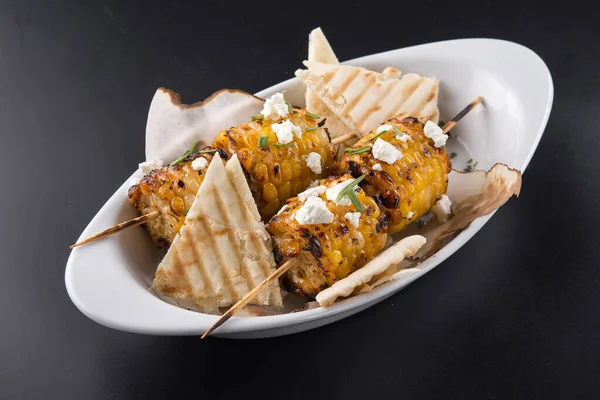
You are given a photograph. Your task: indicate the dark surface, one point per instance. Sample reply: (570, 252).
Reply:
(513, 314)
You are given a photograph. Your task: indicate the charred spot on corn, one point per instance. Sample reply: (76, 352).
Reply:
(222, 154)
(276, 169)
(314, 247)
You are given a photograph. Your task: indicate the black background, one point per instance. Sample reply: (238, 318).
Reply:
(513, 314)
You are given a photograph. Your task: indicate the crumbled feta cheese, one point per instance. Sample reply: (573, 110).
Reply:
(199, 163)
(148, 166)
(442, 208)
(134, 181)
(285, 130)
(434, 132)
(377, 167)
(384, 128)
(353, 218)
(315, 191)
(285, 207)
(333, 192)
(275, 107)
(314, 211)
(403, 137)
(314, 162)
(314, 183)
(386, 152)
(410, 215)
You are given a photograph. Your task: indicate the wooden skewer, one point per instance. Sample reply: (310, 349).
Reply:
(117, 228)
(449, 125)
(251, 295)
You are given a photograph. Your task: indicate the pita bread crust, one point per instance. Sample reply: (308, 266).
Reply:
(385, 261)
(362, 99)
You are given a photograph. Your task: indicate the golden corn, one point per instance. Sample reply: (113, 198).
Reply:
(276, 172)
(171, 191)
(406, 189)
(327, 252)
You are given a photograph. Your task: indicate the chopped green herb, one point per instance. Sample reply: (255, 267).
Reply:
(421, 223)
(183, 157)
(283, 145)
(470, 161)
(337, 152)
(314, 116)
(452, 155)
(348, 190)
(186, 212)
(262, 142)
(311, 128)
(441, 124)
(376, 136)
(207, 151)
(290, 108)
(360, 150)
(258, 117)
(474, 165)
(398, 131)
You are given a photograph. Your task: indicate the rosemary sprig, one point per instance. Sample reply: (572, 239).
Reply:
(183, 157)
(258, 117)
(314, 116)
(290, 108)
(379, 134)
(207, 151)
(337, 152)
(360, 150)
(262, 142)
(348, 190)
(311, 128)
(186, 212)
(452, 155)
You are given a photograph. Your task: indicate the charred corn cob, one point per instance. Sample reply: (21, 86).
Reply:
(278, 171)
(171, 191)
(327, 252)
(406, 189)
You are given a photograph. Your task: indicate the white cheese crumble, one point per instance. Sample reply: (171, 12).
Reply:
(442, 208)
(384, 128)
(285, 207)
(199, 163)
(314, 162)
(314, 211)
(333, 192)
(353, 218)
(314, 191)
(148, 166)
(134, 181)
(403, 137)
(275, 107)
(386, 152)
(314, 183)
(435, 133)
(285, 131)
(377, 167)
(410, 215)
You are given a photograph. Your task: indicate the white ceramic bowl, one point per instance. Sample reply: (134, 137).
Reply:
(108, 280)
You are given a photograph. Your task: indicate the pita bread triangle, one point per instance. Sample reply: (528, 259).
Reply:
(223, 250)
(364, 99)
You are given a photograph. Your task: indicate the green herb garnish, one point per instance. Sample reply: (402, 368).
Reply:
(258, 117)
(452, 155)
(283, 145)
(348, 190)
(337, 152)
(441, 124)
(262, 142)
(421, 223)
(183, 157)
(376, 136)
(311, 128)
(206, 151)
(360, 150)
(315, 116)
(290, 108)
(186, 212)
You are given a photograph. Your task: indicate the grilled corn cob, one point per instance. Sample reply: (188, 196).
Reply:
(406, 189)
(331, 251)
(274, 171)
(171, 191)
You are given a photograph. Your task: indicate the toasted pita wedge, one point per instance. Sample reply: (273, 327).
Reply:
(356, 282)
(364, 99)
(173, 126)
(223, 251)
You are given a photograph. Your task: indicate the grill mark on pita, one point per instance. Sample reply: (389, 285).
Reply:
(328, 76)
(208, 286)
(219, 256)
(375, 107)
(349, 80)
(355, 100)
(410, 93)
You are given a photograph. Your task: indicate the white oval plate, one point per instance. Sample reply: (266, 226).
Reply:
(108, 280)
